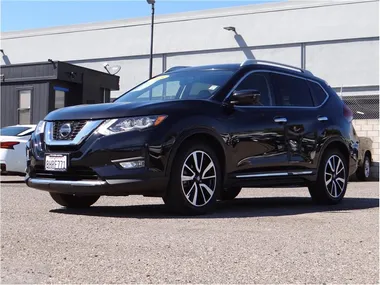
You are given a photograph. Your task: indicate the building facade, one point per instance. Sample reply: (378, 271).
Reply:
(336, 40)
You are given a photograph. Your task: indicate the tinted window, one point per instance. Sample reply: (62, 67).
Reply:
(291, 91)
(179, 85)
(319, 96)
(259, 82)
(12, 131)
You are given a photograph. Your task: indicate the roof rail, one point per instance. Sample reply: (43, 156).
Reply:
(174, 68)
(258, 61)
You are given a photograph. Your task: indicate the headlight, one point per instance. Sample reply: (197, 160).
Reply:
(115, 126)
(40, 129)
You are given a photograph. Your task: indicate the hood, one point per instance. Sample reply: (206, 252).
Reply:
(99, 111)
(123, 109)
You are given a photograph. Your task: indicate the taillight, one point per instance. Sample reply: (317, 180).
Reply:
(347, 113)
(8, 145)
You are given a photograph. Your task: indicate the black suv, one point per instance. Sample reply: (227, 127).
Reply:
(193, 135)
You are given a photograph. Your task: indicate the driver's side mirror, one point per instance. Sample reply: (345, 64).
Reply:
(245, 97)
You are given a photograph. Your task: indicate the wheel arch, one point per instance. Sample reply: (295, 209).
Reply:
(335, 143)
(203, 134)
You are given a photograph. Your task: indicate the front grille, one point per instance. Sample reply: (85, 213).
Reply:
(73, 173)
(76, 127)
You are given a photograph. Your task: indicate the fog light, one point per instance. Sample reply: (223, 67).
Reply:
(132, 164)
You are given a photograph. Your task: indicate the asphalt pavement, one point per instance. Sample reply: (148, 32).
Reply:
(264, 236)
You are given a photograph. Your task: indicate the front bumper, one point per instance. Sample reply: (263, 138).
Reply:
(120, 187)
(94, 166)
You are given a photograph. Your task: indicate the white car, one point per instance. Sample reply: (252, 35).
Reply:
(13, 141)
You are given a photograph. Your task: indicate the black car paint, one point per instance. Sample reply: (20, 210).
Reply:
(246, 137)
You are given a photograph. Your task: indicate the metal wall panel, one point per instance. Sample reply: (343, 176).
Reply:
(31, 72)
(9, 102)
(40, 102)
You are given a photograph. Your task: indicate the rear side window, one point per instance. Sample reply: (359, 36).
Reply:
(319, 96)
(291, 91)
(259, 82)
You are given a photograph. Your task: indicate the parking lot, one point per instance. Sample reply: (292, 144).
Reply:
(264, 236)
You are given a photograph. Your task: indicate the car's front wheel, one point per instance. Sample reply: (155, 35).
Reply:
(73, 201)
(195, 180)
(332, 178)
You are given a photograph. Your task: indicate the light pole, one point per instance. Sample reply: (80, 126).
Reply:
(151, 2)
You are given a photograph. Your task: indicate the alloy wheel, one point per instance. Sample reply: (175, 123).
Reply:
(335, 176)
(198, 178)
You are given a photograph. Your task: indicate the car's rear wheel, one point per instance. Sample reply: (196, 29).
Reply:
(363, 173)
(229, 193)
(332, 178)
(73, 201)
(195, 180)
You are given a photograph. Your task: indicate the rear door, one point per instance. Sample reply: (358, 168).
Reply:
(304, 120)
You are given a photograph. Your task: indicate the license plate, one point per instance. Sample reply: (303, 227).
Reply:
(56, 162)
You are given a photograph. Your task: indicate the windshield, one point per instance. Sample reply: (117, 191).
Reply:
(181, 85)
(13, 131)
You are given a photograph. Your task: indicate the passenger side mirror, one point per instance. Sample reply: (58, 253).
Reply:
(245, 97)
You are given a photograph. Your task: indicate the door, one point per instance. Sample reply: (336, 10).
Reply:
(258, 141)
(293, 95)
(24, 106)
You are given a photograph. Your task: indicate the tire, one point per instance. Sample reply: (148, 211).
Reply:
(229, 193)
(72, 201)
(364, 172)
(334, 165)
(194, 187)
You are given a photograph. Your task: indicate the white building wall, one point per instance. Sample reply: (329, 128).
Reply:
(340, 40)
(353, 63)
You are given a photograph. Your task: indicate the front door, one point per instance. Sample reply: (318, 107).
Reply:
(258, 136)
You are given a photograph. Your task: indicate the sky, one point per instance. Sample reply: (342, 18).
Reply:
(23, 15)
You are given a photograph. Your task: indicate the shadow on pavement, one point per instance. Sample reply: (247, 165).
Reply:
(12, 182)
(238, 208)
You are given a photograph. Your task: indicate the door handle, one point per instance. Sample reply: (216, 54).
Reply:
(323, 119)
(280, 120)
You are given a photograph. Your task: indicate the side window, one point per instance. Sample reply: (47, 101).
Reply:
(291, 91)
(259, 82)
(59, 101)
(24, 106)
(319, 96)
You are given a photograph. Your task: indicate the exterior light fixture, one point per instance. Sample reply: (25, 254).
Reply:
(232, 29)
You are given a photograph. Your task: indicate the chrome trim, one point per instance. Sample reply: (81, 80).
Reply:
(89, 127)
(280, 120)
(273, 107)
(323, 119)
(122, 181)
(302, 172)
(88, 183)
(258, 61)
(128, 159)
(262, 175)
